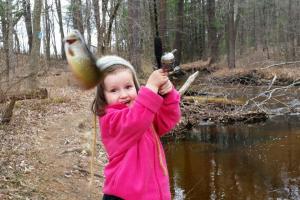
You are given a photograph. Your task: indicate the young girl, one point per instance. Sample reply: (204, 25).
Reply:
(131, 121)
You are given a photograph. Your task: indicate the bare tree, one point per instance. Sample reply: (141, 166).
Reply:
(202, 29)
(52, 31)
(163, 22)
(47, 31)
(61, 28)
(88, 21)
(7, 32)
(254, 42)
(27, 16)
(76, 7)
(134, 30)
(98, 25)
(113, 13)
(103, 25)
(179, 29)
(17, 42)
(298, 23)
(291, 32)
(31, 81)
(212, 30)
(231, 35)
(263, 15)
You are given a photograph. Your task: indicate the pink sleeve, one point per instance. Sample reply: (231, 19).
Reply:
(122, 128)
(169, 113)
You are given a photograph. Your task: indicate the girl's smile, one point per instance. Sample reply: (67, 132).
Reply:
(119, 87)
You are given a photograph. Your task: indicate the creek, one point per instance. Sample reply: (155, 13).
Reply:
(240, 161)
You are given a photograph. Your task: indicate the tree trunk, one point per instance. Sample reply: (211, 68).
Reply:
(179, 30)
(27, 16)
(77, 15)
(291, 33)
(254, 40)
(264, 27)
(193, 33)
(47, 32)
(52, 31)
(98, 25)
(212, 30)
(114, 11)
(202, 30)
(7, 31)
(298, 23)
(103, 25)
(231, 35)
(61, 28)
(242, 38)
(88, 22)
(31, 81)
(11, 60)
(134, 30)
(163, 22)
(151, 16)
(17, 42)
(237, 25)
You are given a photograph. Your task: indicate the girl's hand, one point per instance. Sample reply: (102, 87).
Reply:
(157, 79)
(165, 88)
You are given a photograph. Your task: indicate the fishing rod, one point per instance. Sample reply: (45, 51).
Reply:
(158, 50)
(165, 61)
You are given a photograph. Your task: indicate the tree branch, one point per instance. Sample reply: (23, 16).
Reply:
(278, 64)
(188, 82)
(269, 94)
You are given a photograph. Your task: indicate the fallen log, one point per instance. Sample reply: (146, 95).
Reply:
(187, 83)
(279, 64)
(217, 100)
(197, 65)
(7, 110)
(40, 93)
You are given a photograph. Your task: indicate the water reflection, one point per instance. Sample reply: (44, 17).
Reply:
(248, 162)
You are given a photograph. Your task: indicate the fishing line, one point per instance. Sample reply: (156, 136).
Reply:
(93, 150)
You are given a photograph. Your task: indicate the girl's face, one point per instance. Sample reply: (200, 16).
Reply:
(119, 87)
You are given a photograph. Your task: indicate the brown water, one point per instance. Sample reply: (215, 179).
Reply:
(259, 161)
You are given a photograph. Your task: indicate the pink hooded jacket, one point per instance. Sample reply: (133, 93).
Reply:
(137, 164)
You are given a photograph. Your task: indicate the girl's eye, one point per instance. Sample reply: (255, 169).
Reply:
(113, 90)
(129, 86)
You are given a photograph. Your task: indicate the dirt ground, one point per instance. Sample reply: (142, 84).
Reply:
(45, 150)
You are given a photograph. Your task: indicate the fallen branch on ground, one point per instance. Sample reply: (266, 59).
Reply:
(86, 171)
(278, 64)
(197, 65)
(268, 94)
(73, 149)
(7, 112)
(188, 82)
(40, 93)
(208, 99)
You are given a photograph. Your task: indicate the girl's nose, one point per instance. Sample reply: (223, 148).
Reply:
(123, 93)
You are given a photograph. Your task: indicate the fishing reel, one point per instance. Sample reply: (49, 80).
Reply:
(168, 63)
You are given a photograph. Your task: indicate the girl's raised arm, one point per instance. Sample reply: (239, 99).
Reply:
(169, 113)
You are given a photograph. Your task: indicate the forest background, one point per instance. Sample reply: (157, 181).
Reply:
(198, 29)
